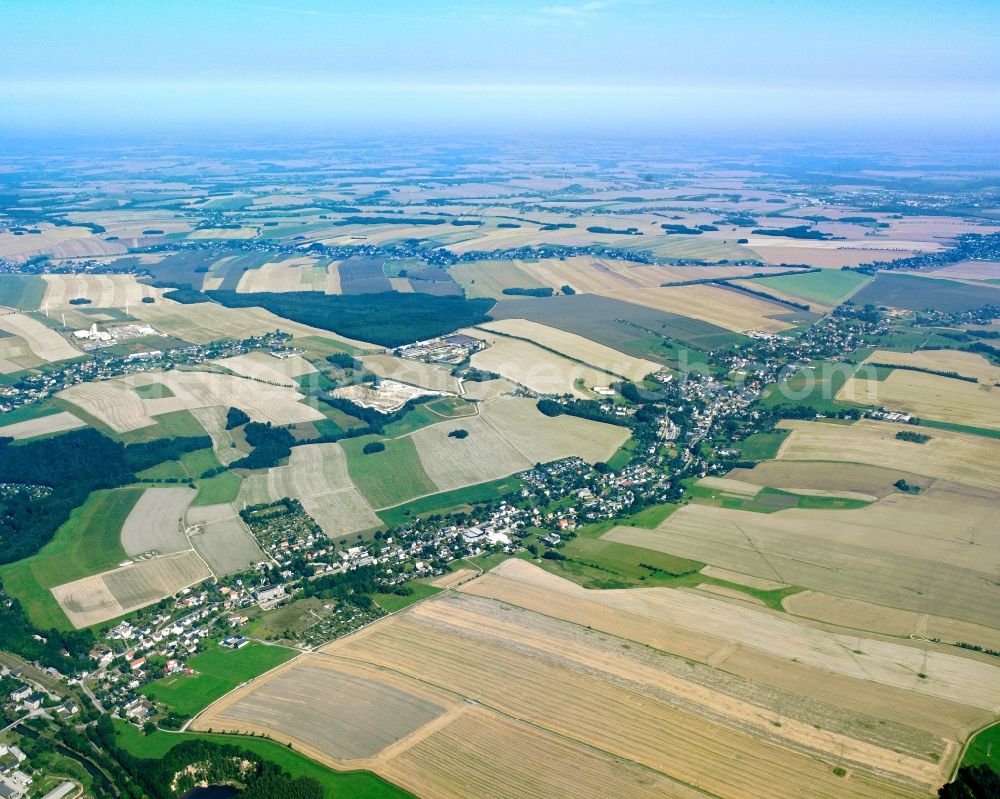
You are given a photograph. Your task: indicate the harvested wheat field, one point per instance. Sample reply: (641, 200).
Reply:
(103, 291)
(728, 309)
(453, 579)
(203, 322)
(316, 475)
(642, 722)
(967, 364)
(156, 522)
(454, 462)
(415, 373)
(815, 477)
(213, 419)
(42, 426)
(576, 347)
(902, 551)
(944, 399)
(540, 438)
(949, 456)
(268, 369)
(106, 596)
(44, 342)
(854, 614)
(219, 536)
(534, 367)
(292, 274)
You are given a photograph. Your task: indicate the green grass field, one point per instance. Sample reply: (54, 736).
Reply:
(769, 500)
(761, 446)
(394, 602)
(168, 425)
(960, 428)
(390, 477)
(168, 470)
(34, 410)
(828, 287)
(24, 292)
(815, 387)
(219, 670)
(88, 543)
(336, 784)
(448, 501)
(224, 487)
(984, 748)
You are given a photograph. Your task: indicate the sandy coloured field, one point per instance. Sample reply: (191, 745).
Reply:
(950, 456)
(730, 485)
(21, 248)
(576, 347)
(316, 475)
(498, 678)
(967, 364)
(292, 274)
(347, 711)
(156, 521)
(213, 419)
(115, 403)
(816, 477)
(970, 270)
(41, 426)
(928, 396)
(106, 596)
(104, 291)
(220, 537)
(453, 579)
(44, 342)
(533, 367)
(454, 462)
(903, 551)
(541, 438)
(487, 389)
(416, 373)
(727, 309)
(864, 616)
(202, 322)
(262, 366)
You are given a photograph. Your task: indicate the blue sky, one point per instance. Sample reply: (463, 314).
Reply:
(602, 65)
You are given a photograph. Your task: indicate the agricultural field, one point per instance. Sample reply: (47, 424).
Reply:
(627, 326)
(900, 551)
(293, 274)
(30, 343)
(265, 368)
(717, 306)
(517, 642)
(916, 292)
(967, 364)
(116, 403)
(955, 457)
(827, 288)
(537, 369)
(23, 292)
(42, 426)
(106, 596)
(575, 347)
(317, 475)
(927, 396)
(156, 523)
(103, 291)
(201, 323)
(88, 543)
(216, 671)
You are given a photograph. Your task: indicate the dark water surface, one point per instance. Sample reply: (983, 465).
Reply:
(212, 792)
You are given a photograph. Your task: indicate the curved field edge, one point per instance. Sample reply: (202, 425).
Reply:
(336, 784)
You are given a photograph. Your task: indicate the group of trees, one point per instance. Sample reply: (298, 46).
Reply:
(270, 445)
(73, 465)
(388, 318)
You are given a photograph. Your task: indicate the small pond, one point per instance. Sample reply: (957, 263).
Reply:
(212, 792)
